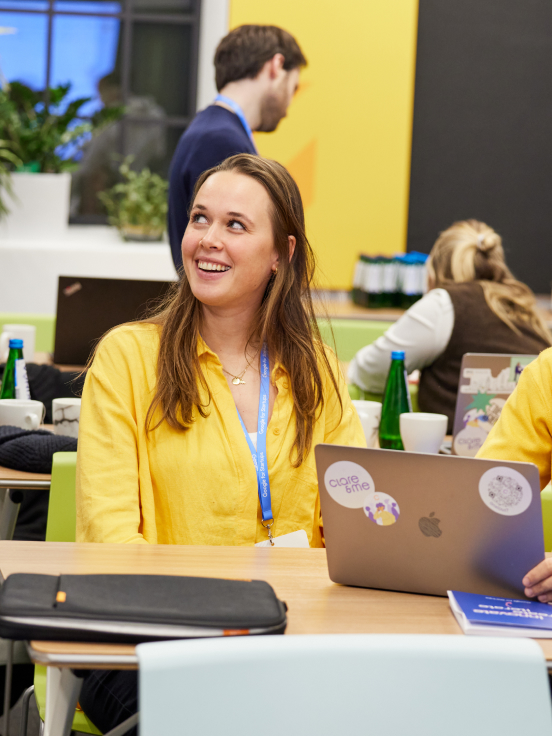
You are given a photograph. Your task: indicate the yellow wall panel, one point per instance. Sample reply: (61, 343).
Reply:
(347, 136)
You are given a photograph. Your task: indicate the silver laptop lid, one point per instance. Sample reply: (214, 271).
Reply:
(486, 381)
(429, 523)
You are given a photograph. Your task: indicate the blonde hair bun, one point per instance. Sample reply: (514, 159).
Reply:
(469, 251)
(488, 240)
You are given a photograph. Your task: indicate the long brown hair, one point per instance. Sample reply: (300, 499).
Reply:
(285, 320)
(470, 250)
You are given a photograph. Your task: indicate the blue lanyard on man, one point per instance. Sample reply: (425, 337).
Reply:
(240, 113)
(259, 454)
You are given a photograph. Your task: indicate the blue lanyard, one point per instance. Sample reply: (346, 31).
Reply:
(259, 454)
(239, 112)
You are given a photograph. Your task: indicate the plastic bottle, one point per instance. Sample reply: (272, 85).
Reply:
(15, 384)
(389, 288)
(375, 283)
(413, 278)
(396, 401)
(358, 294)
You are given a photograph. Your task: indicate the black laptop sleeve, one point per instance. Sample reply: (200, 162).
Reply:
(135, 608)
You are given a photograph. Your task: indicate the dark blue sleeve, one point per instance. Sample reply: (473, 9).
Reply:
(187, 165)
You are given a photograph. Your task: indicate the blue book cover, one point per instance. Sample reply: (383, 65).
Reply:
(488, 610)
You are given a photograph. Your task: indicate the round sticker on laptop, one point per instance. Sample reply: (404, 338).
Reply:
(382, 509)
(505, 491)
(348, 484)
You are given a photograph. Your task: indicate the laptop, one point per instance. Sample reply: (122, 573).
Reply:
(88, 307)
(421, 523)
(486, 381)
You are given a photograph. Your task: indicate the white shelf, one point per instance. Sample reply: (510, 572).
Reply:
(29, 268)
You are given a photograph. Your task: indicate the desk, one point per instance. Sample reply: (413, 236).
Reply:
(299, 577)
(16, 480)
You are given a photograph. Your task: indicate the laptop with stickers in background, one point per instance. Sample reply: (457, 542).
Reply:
(423, 523)
(486, 381)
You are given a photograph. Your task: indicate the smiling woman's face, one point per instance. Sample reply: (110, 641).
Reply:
(228, 247)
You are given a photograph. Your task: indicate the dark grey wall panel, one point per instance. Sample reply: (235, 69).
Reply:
(482, 134)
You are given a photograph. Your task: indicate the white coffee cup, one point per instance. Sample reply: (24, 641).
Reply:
(23, 413)
(27, 333)
(66, 416)
(422, 432)
(370, 415)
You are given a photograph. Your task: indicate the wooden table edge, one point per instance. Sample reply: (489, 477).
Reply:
(129, 661)
(40, 653)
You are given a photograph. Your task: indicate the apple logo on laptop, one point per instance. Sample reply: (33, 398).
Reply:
(429, 525)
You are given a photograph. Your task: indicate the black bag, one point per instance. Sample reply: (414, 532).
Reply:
(135, 608)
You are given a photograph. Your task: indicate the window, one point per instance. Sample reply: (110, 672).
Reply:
(139, 53)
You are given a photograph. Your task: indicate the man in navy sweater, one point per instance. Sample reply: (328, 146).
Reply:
(257, 74)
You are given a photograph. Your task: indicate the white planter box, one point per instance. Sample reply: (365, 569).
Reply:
(39, 208)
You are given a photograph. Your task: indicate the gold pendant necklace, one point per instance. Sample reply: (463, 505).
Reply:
(236, 380)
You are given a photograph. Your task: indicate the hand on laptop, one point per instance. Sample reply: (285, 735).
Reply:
(538, 582)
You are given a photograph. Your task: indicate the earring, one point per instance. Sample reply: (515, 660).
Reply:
(275, 271)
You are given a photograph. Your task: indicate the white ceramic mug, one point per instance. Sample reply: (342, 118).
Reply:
(370, 415)
(27, 333)
(422, 432)
(66, 416)
(23, 413)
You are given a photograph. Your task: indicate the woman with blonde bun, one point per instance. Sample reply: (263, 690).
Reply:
(474, 305)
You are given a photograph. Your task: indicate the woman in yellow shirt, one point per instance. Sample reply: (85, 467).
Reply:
(163, 457)
(524, 432)
(176, 414)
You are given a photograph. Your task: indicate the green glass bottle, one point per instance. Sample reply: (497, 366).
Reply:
(15, 384)
(396, 401)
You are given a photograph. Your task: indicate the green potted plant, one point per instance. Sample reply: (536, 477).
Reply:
(137, 206)
(7, 160)
(44, 140)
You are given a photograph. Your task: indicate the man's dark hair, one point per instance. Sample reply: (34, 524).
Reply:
(245, 50)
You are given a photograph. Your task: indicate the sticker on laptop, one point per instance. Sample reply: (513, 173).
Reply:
(479, 418)
(505, 491)
(382, 509)
(517, 364)
(348, 484)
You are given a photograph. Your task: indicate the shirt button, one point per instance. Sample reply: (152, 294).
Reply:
(276, 430)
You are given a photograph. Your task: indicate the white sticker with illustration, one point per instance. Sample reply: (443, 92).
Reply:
(478, 420)
(505, 491)
(348, 484)
(382, 509)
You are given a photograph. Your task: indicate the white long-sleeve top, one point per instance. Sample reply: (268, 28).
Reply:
(423, 332)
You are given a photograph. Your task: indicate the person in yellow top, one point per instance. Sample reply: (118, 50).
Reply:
(384, 516)
(175, 409)
(523, 432)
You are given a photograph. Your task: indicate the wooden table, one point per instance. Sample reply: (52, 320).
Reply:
(299, 577)
(345, 309)
(16, 480)
(338, 304)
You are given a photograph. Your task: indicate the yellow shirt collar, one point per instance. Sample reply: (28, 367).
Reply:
(277, 375)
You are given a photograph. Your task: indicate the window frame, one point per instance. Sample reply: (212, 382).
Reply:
(128, 18)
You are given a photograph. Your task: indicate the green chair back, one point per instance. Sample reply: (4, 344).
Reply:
(61, 528)
(351, 334)
(546, 501)
(45, 327)
(62, 514)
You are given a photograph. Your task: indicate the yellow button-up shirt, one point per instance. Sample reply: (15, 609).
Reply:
(193, 486)
(523, 431)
